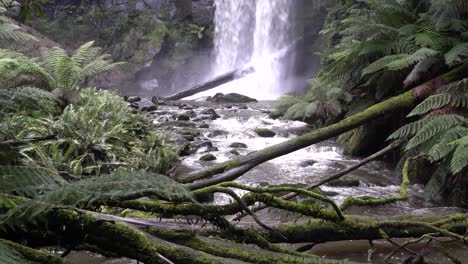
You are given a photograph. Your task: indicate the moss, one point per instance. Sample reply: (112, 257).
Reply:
(208, 157)
(33, 255)
(265, 132)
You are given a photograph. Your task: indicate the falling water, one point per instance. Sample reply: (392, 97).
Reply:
(257, 33)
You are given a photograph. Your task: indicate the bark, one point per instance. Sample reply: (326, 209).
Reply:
(231, 170)
(213, 83)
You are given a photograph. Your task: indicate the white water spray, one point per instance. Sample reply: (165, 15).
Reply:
(256, 33)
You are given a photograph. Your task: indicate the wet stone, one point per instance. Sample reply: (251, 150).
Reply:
(132, 99)
(208, 157)
(234, 152)
(307, 163)
(238, 145)
(183, 117)
(149, 108)
(265, 132)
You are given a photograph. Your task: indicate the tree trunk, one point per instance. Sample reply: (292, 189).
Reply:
(213, 83)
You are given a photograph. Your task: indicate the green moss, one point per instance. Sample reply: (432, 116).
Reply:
(208, 157)
(265, 132)
(33, 255)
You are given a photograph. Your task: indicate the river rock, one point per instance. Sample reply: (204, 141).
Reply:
(210, 114)
(150, 108)
(158, 101)
(231, 98)
(265, 132)
(307, 163)
(204, 126)
(208, 157)
(238, 145)
(234, 152)
(183, 117)
(132, 99)
(217, 134)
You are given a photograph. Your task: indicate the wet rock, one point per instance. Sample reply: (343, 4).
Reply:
(183, 117)
(208, 157)
(158, 101)
(185, 107)
(132, 99)
(307, 163)
(204, 126)
(234, 152)
(243, 107)
(181, 124)
(231, 98)
(191, 114)
(150, 108)
(345, 182)
(163, 119)
(134, 106)
(265, 132)
(190, 135)
(203, 147)
(217, 134)
(180, 144)
(203, 12)
(238, 145)
(210, 114)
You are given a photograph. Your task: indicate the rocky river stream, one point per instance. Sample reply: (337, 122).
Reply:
(207, 133)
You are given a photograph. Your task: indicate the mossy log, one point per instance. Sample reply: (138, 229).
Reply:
(231, 170)
(33, 255)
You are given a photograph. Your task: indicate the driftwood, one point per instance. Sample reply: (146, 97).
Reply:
(213, 83)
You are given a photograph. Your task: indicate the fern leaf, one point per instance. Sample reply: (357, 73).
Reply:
(434, 127)
(419, 69)
(447, 143)
(459, 159)
(435, 184)
(431, 103)
(408, 129)
(457, 54)
(412, 59)
(382, 63)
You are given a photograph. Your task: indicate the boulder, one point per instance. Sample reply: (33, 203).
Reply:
(238, 145)
(217, 134)
(132, 99)
(150, 108)
(307, 163)
(231, 98)
(183, 117)
(234, 152)
(265, 132)
(208, 157)
(210, 114)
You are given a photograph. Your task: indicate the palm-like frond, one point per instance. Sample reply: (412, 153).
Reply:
(457, 54)
(10, 256)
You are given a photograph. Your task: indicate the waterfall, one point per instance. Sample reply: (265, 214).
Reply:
(257, 33)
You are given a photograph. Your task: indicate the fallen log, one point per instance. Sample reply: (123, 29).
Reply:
(213, 83)
(233, 169)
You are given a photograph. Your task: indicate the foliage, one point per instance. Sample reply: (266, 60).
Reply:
(9, 30)
(45, 190)
(100, 132)
(379, 48)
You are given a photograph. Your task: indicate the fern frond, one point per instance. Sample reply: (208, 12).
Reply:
(436, 183)
(10, 256)
(459, 159)
(412, 59)
(434, 126)
(28, 181)
(408, 129)
(420, 69)
(382, 63)
(457, 54)
(431, 103)
(447, 143)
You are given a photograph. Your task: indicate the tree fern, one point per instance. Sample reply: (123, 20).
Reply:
(8, 30)
(408, 130)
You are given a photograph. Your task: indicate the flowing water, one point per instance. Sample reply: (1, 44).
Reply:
(256, 33)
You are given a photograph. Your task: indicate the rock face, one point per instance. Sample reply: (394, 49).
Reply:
(230, 98)
(159, 39)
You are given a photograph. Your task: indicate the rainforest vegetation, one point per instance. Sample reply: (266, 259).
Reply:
(80, 167)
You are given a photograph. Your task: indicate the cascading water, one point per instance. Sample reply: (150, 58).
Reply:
(257, 33)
